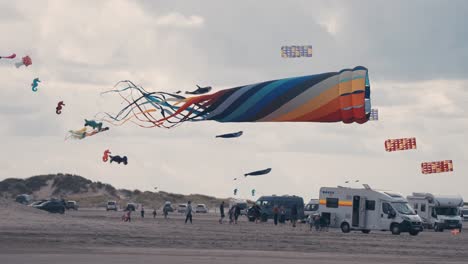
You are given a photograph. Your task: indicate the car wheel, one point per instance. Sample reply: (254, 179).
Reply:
(366, 231)
(395, 228)
(62, 211)
(436, 228)
(345, 227)
(264, 218)
(413, 232)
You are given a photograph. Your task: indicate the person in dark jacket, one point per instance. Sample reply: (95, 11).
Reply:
(154, 213)
(221, 211)
(275, 214)
(282, 219)
(237, 212)
(188, 212)
(142, 211)
(294, 215)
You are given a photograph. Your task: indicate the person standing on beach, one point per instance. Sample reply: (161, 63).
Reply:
(282, 215)
(294, 215)
(237, 212)
(188, 212)
(154, 213)
(142, 211)
(275, 214)
(165, 211)
(221, 211)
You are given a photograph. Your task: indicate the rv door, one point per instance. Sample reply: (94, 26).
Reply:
(362, 213)
(386, 213)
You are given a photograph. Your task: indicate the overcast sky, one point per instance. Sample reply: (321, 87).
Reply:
(416, 53)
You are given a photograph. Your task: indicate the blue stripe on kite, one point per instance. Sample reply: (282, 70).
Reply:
(253, 100)
(274, 94)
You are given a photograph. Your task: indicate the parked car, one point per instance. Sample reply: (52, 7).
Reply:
(131, 207)
(23, 199)
(111, 206)
(244, 207)
(181, 208)
(52, 206)
(168, 207)
(71, 205)
(201, 208)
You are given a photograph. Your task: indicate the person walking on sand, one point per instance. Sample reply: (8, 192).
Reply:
(127, 216)
(188, 212)
(275, 214)
(221, 211)
(294, 215)
(142, 211)
(154, 213)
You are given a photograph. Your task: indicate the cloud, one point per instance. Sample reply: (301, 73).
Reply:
(179, 20)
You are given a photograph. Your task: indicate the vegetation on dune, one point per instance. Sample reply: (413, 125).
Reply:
(95, 194)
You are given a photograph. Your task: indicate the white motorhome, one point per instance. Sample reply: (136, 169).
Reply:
(438, 211)
(311, 208)
(367, 209)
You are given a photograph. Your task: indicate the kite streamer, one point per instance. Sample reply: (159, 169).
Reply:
(437, 166)
(400, 144)
(328, 97)
(12, 56)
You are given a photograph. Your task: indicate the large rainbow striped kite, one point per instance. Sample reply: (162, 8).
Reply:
(327, 97)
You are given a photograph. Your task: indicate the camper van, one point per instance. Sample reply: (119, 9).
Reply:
(367, 209)
(438, 211)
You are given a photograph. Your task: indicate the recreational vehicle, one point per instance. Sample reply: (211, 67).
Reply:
(367, 209)
(438, 211)
(311, 208)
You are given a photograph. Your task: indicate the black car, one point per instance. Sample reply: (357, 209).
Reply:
(52, 207)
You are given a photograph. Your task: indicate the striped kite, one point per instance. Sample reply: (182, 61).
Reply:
(342, 96)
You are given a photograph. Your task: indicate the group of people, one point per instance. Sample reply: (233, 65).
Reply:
(234, 213)
(127, 216)
(319, 222)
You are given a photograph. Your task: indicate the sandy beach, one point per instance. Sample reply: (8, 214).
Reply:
(94, 235)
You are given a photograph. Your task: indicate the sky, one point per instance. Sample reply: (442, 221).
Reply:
(416, 53)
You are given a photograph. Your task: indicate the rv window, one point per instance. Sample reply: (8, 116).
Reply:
(423, 208)
(370, 205)
(332, 202)
(386, 208)
(415, 206)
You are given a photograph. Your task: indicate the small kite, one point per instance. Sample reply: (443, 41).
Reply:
(342, 96)
(400, 144)
(82, 133)
(34, 84)
(26, 61)
(119, 159)
(296, 51)
(12, 56)
(257, 173)
(230, 135)
(437, 166)
(178, 92)
(200, 90)
(58, 109)
(253, 192)
(106, 155)
(235, 179)
(235, 191)
(93, 124)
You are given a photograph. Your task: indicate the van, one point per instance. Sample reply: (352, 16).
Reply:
(438, 212)
(111, 206)
(367, 209)
(181, 208)
(267, 203)
(464, 213)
